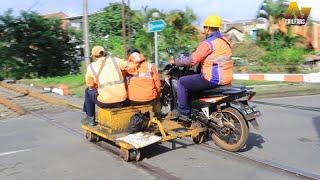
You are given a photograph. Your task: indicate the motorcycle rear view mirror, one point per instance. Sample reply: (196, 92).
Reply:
(170, 51)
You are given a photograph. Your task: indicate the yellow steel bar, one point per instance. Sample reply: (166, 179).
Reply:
(124, 145)
(168, 138)
(158, 123)
(189, 132)
(108, 137)
(170, 125)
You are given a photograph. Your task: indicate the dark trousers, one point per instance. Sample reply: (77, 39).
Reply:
(90, 100)
(191, 83)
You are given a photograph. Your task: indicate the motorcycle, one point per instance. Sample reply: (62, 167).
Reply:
(225, 110)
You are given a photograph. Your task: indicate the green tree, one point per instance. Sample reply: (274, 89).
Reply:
(273, 12)
(180, 33)
(143, 39)
(32, 46)
(106, 28)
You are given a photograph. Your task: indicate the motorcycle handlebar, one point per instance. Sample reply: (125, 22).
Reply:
(170, 51)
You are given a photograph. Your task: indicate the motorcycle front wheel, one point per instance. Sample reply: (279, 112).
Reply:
(231, 138)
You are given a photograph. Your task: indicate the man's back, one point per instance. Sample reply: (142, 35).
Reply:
(111, 87)
(145, 85)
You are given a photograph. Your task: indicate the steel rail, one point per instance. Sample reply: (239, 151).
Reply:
(16, 108)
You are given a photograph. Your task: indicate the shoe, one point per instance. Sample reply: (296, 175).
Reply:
(85, 120)
(184, 117)
(93, 123)
(175, 114)
(89, 120)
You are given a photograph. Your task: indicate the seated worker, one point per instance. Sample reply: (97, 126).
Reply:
(105, 83)
(144, 86)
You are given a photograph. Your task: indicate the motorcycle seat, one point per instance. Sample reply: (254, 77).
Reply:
(224, 90)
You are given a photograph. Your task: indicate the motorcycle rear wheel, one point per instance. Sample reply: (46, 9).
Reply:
(221, 137)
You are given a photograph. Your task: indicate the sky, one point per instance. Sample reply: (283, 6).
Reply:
(228, 9)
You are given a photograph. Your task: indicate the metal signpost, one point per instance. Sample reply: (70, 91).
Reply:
(155, 26)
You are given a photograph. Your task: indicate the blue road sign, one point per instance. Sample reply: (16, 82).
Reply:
(155, 26)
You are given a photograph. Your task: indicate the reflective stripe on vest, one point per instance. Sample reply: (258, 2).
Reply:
(117, 69)
(97, 75)
(120, 78)
(219, 59)
(143, 75)
(110, 83)
(146, 75)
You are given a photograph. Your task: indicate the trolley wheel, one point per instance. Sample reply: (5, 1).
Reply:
(91, 137)
(199, 138)
(130, 155)
(136, 154)
(125, 154)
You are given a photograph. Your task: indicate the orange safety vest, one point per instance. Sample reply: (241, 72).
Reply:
(142, 87)
(218, 66)
(107, 74)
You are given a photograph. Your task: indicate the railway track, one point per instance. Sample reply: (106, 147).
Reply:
(36, 108)
(108, 148)
(280, 168)
(6, 112)
(159, 173)
(14, 104)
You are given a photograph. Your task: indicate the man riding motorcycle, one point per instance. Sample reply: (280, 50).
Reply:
(214, 56)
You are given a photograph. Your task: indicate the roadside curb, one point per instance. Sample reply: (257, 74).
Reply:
(310, 78)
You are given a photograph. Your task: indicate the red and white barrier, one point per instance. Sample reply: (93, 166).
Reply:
(310, 78)
(62, 90)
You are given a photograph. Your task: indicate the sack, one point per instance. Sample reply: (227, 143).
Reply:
(138, 122)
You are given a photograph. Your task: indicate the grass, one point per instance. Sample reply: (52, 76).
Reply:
(76, 83)
(286, 89)
(264, 89)
(254, 82)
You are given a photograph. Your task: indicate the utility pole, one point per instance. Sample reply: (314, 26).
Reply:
(156, 49)
(129, 25)
(124, 29)
(86, 32)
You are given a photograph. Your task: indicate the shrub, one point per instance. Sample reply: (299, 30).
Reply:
(248, 50)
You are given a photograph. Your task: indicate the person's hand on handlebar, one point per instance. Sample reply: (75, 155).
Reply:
(171, 60)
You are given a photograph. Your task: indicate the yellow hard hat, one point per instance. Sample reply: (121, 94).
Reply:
(96, 51)
(213, 21)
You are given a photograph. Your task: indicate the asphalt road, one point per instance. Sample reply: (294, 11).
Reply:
(50, 146)
(290, 132)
